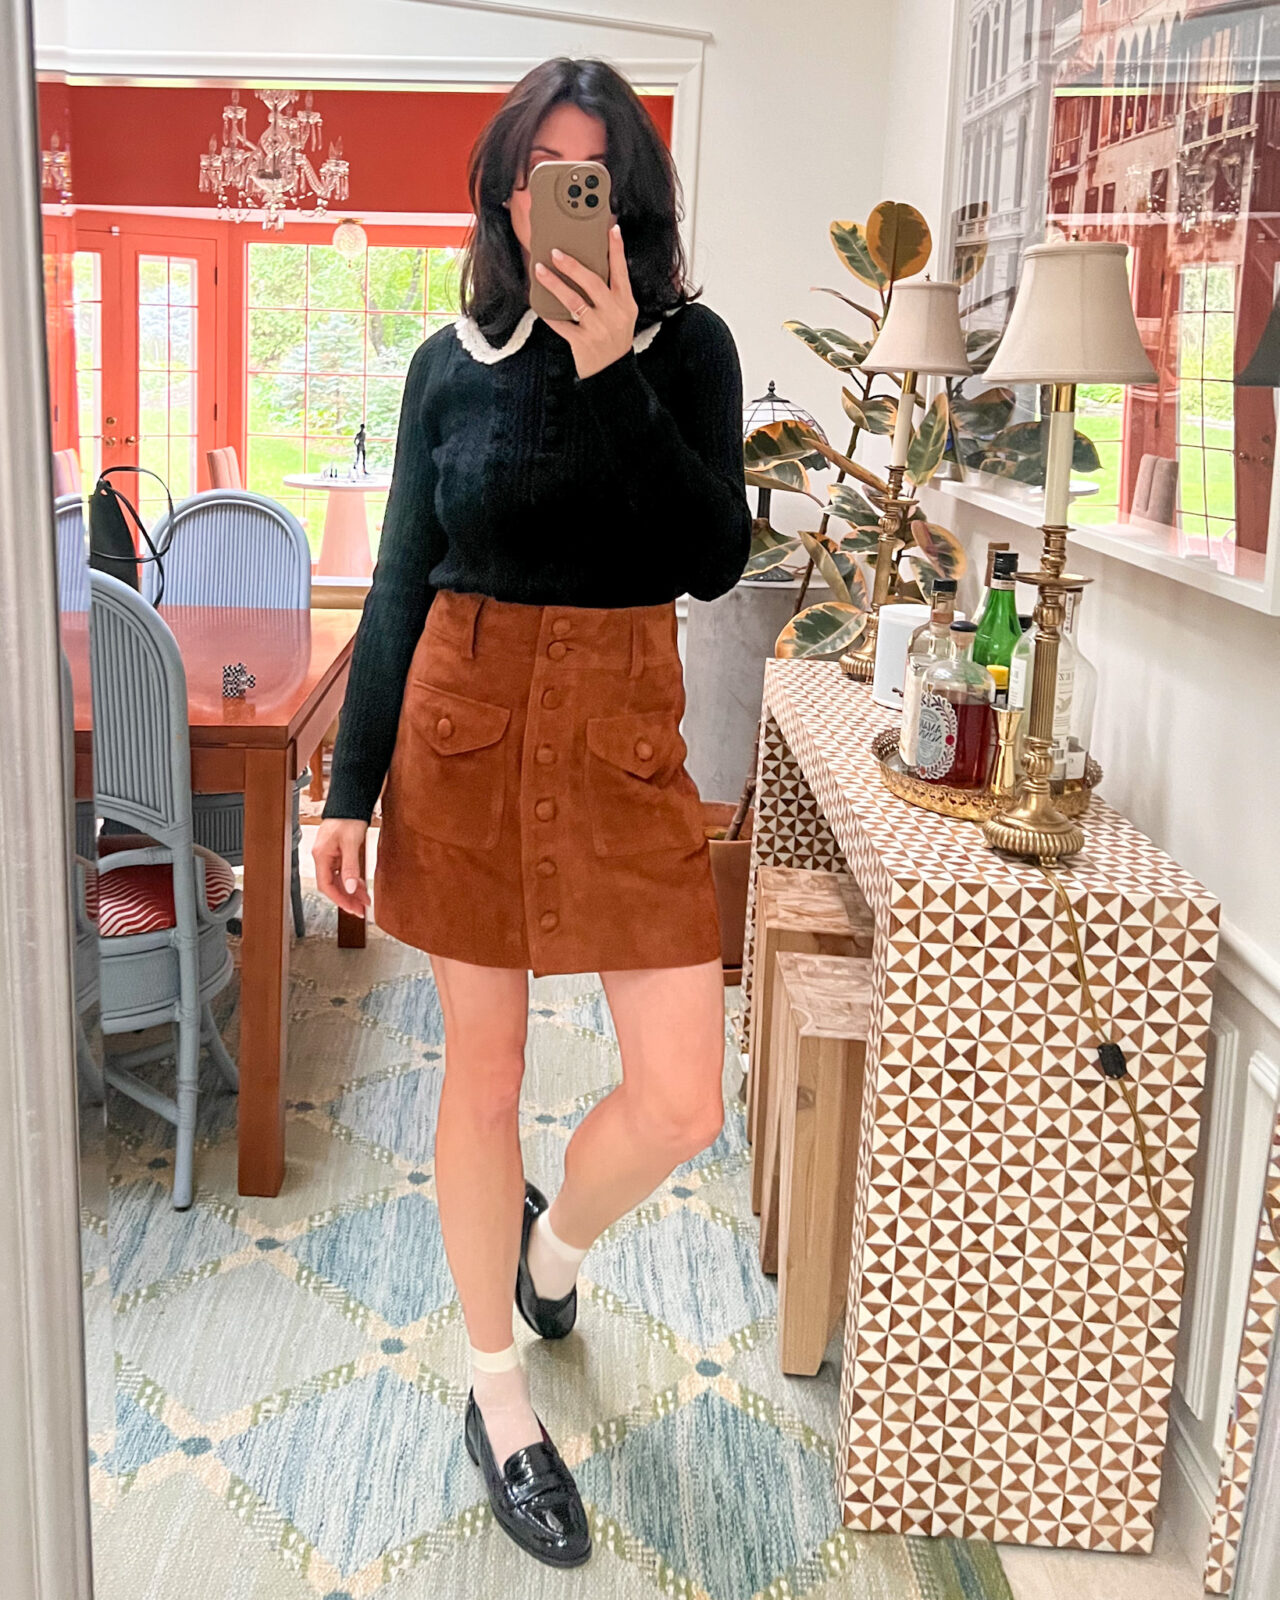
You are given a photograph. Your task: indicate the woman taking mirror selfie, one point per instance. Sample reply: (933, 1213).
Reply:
(516, 682)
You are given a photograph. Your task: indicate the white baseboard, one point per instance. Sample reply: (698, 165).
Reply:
(1189, 1491)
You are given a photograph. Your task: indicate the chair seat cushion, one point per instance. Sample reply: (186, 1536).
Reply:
(140, 899)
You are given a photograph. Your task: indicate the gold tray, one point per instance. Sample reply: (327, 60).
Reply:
(974, 805)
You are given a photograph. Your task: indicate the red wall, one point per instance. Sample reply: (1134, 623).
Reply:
(140, 145)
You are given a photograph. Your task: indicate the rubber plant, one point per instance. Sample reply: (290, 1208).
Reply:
(895, 243)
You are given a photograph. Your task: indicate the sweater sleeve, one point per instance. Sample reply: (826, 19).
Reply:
(395, 610)
(682, 466)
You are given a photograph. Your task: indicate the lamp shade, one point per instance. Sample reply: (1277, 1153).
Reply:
(921, 332)
(1262, 370)
(1072, 319)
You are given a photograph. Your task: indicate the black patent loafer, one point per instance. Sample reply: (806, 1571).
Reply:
(550, 1318)
(533, 1496)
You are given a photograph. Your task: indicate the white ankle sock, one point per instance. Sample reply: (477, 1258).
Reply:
(553, 1264)
(501, 1388)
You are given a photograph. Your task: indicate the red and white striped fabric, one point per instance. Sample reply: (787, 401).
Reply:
(140, 899)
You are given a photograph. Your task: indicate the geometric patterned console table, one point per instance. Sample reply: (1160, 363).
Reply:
(1013, 1302)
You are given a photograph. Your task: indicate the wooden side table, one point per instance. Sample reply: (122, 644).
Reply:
(1013, 1302)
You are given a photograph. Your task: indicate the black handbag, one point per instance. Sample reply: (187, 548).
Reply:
(111, 544)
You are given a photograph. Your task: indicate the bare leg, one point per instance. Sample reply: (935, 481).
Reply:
(669, 1106)
(480, 1177)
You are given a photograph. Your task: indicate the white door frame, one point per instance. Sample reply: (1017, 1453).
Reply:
(44, 1498)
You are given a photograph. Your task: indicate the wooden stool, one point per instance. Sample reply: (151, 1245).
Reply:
(821, 1014)
(797, 908)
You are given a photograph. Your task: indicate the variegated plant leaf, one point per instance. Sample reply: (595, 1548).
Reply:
(852, 506)
(853, 409)
(850, 241)
(835, 346)
(788, 439)
(1025, 443)
(983, 416)
(786, 475)
(824, 629)
(769, 548)
(929, 440)
(898, 240)
(861, 542)
(940, 548)
(820, 555)
(980, 345)
(856, 305)
(881, 413)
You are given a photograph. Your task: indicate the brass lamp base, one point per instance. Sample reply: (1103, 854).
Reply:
(860, 662)
(1034, 828)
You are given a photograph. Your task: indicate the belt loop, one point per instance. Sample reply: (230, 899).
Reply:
(637, 645)
(477, 602)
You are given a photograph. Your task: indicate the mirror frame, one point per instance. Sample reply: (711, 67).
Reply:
(43, 1465)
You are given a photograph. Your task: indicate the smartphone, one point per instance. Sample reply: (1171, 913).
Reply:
(570, 209)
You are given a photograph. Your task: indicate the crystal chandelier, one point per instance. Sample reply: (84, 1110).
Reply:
(272, 173)
(55, 171)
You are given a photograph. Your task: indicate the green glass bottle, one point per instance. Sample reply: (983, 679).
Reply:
(999, 628)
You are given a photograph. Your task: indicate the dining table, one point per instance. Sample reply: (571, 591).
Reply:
(255, 743)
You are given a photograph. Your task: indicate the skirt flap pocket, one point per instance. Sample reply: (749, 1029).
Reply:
(640, 742)
(452, 722)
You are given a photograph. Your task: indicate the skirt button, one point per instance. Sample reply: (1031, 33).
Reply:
(545, 810)
(557, 650)
(551, 698)
(548, 920)
(545, 754)
(444, 727)
(546, 867)
(561, 626)
(643, 749)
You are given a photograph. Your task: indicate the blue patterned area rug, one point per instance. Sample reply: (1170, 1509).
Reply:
(291, 1373)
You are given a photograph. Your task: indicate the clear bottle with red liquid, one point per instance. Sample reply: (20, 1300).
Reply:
(955, 739)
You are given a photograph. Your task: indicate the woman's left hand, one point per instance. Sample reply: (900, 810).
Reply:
(607, 310)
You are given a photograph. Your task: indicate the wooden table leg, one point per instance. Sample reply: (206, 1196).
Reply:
(351, 929)
(264, 969)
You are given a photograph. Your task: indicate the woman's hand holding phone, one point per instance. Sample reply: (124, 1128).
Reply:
(336, 853)
(607, 322)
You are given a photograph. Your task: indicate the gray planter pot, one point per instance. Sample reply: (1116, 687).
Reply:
(727, 642)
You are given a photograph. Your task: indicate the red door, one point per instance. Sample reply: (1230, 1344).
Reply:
(150, 382)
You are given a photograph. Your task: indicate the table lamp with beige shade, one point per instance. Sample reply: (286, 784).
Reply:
(1072, 322)
(921, 336)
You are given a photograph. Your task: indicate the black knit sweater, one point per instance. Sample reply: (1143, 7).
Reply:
(517, 479)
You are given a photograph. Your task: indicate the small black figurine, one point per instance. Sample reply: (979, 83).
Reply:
(235, 680)
(359, 464)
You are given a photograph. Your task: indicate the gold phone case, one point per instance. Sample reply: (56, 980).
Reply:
(569, 208)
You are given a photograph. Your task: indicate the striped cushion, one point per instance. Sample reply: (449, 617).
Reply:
(140, 899)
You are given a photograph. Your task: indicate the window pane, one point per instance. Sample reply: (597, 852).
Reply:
(443, 268)
(382, 406)
(276, 402)
(334, 284)
(277, 341)
(268, 462)
(397, 278)
(335, 405)
(277, 274)
(1219, 345)
(392, 341)
(153, 280)
(335, 342)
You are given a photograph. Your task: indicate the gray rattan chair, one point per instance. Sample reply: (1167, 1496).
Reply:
(162, 935)
(84, 929)
(73, 553)
(230, 547)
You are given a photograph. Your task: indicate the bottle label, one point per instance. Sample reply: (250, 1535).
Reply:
(911, 692)
(935, 737)
(1074, 760)
(1018, 682)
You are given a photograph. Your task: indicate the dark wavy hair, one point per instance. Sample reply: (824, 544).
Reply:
(493, 283)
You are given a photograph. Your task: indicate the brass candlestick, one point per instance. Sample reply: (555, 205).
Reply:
(860, 662)
(1033, 826)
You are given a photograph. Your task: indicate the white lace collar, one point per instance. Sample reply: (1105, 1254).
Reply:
(475, 344)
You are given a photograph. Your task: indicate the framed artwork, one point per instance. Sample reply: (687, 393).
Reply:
(1156, 123)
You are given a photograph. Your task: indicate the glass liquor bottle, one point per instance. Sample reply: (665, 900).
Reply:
(1072, 705)
(998, 627)
(954, 737)
(929, 643)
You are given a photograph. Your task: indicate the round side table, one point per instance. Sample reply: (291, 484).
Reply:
(344, 547)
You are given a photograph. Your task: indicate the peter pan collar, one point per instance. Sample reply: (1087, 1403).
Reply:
(475, 344)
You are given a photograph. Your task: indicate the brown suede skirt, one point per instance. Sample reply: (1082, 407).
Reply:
(537, 812)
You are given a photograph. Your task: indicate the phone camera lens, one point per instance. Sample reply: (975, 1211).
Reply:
(591, 181)
(575, 190)
(593, 199)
